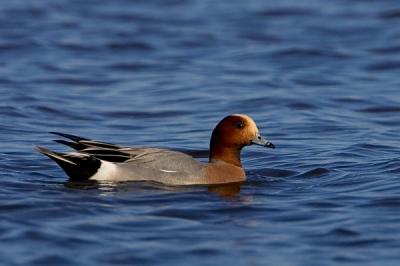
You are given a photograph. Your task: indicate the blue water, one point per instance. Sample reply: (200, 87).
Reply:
(321, 79)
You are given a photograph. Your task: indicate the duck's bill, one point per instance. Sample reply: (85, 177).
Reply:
(259, 140)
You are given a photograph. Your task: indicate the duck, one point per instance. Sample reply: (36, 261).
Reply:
(98, 161)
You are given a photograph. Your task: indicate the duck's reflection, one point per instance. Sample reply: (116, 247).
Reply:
(89, 184)
(226, 190)
(223, 190)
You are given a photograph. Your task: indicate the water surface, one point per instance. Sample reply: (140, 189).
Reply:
(319, 77)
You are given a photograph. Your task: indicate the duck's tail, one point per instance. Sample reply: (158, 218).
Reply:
(78, 166)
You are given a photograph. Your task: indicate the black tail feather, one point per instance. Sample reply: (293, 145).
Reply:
(69, 136)
(75, 145)
(80, 143)
(94, 143)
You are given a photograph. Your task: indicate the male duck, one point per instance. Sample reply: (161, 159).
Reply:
(94, 160)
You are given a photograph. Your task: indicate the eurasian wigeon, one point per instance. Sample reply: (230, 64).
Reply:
(94, 160)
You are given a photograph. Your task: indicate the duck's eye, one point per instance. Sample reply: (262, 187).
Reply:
(239, 124)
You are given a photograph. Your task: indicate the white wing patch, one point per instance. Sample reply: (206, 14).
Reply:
(168, 171)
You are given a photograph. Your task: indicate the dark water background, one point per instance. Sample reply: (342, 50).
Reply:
(321, 78)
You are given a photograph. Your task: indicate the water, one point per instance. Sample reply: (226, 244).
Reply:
(319, 77)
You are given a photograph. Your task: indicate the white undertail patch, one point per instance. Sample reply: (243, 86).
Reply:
(106, 171)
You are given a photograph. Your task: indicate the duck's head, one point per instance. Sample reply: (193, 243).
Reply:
(233, 133)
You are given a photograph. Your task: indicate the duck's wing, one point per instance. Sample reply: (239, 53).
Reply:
(99, 147)
(101, 150)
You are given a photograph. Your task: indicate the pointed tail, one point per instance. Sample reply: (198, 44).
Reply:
(79, 167)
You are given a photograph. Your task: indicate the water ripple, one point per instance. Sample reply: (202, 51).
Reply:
(319, 77)
(381, 109)
(286, 12)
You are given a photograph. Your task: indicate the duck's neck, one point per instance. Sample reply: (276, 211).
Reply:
(229, 155)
